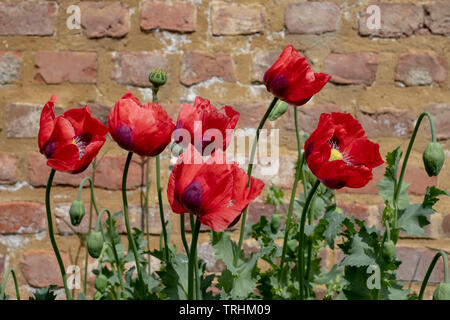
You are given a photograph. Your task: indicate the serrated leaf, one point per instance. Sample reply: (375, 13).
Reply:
(414, 218)
(358, 256)
(225, 249)
(334, 220)
(244, 283)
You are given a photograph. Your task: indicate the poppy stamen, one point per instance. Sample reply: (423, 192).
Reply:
(82, 141)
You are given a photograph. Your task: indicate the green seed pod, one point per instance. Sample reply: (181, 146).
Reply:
(95, 244)
(276, 223)
(280, 108)
(76, 212)
(388, 250)
(442, 292)
(157, 77)
(433, 158)
(101, 282)
(292, 245)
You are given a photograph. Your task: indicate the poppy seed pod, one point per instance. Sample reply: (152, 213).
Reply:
(388, 250)
(101, 282)
(280, 108)
(157, 77)
(95, 244)
(76, 212)
(433, 158)
(442, 292)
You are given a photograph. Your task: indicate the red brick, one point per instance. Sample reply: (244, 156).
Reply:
(437, 17)
(155, 226)
(441, 114)
(10, 67)
(251, 114)
(312, 17)
(52, 67)
(421, 69)
(250, 247)
(2, 267)
(352, 68)
(8, 169)
(397, 20)
(262, 61)
(415, 263)
(178, 16)
(21, 217)
(308, 116)
(104, 19)
(133, 68)
(236, 19)
(387, 122)
(206, 253)
(40, 268)
(446, 226)
(369, 213)
(108, 174)
(27, 18)
(62, 219)
(197, 67)
(22, 119)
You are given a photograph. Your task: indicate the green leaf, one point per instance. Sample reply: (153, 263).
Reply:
(431, 196)
(334, 218)
(359, 254)
(46, 293)
(275, 196)
(225, 249)
(356, 288)
(413, 219)
(174, 278)
(244, 283)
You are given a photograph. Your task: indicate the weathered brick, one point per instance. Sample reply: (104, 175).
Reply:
(421, 69)
(62, 219)
(369, 213)
(352, 68)
(177, 16)
(437, 17)
(415, 263)
(312, 17)
(2, 267)
(21, 217)
(27, 18)
(397, 20)
(22, 119)
(53, 67)
(10, 67)
(387, 122)
(104, 19)
(235, 19)
(108, 174)
(197, 67)
(132, 68)
(155, 227)
(250, 246)
(262, 61)
(441, 114)
(40, 268)
(256, 209)
(98, 111)
(8, 169)
(206, 252)
(446, 226)
(308, 116)
(251, 114)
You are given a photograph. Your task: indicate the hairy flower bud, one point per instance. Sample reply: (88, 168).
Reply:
(433, 158)
(95, 244)
(442, 292)
(280, 108)
(101, 282)
(157, 77)
(76, 212)
(388, 250)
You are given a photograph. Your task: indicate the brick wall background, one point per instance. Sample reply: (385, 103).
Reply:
(218, 50)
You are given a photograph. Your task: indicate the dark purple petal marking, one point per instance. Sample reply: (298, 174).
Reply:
(49, 149)
(124, 136)
(278, 86)
(192, 197)
(333, 183)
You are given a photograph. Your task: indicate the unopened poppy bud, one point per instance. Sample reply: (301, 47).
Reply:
(433, 158)
(157, 77)
(292, 245)
(442, 292)
(276, 223)
(101, 282)
(76, 212)
(280, 108)
(95, 244)
(388, 250)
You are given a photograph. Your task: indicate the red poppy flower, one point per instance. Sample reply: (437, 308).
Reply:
(215, 191)
(339, 153)
(207, 123)
(292, 80)
(142, 129)
(71, 141)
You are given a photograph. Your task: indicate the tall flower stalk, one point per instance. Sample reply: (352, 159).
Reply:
(3, 286)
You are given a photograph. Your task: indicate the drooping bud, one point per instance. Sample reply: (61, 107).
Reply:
(101, 282)
(95, 244)
(433, 158)
(280, 108)
(157, 77)
(76, 212)
(442, 292)
(388, 250)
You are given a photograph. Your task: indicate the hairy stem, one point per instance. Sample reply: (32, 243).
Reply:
(3, 287)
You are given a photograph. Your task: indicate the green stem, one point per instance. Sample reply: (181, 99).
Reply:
(310, 243)
(192, 259)
(298, 172)
(51, 234)
(398, 186)
(183, 234)
(301, 254)
(430, 269)
(132, 244)
(249, 171)
(3, 287)
(161, 209)
(147, 222)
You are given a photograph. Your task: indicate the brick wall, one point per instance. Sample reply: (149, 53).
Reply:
(218, 50)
